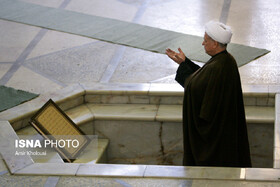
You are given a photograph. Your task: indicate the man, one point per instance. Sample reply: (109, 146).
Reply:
(214, 125)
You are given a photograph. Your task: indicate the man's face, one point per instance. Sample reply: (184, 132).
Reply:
(208, 44)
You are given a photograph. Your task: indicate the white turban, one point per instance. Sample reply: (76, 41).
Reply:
(218, 32)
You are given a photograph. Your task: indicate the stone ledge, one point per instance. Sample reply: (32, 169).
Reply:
(166, 89)
(195, 172)
(161, 113)
(151, 171)
(142, 171)
(151, 93)
(277, 133)
(270, 174)
(49, 169)
(89, 155)
(8, 149)
(53, 157)
(111, 170)
(123, 112)
(255, 114)
(261, 174)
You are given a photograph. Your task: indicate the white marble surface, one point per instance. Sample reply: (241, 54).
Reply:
(172, 143)
(4, 69)
(131, 142)
(166, 100)
(131, 67)
(276, 157)
(231, 183)
(166, 89)
(7, 147)
(277, 132)
(93, 151)
(167, 113)
(80, 114)
(99, 8)
(32, 82)
(50, 3)
(72, 103)
(58, 41)
(29, 130)
(195, 172)
(116, 88)
(252, 89)
(49, 169)
(260, 114)
(262, 174)
(14, 44)
(123, 112)
(111, 170)
(68, 93)
(277, 122)
(87, 128)
(274, 89)
(261, 138)
(51, 157)
(117, 99)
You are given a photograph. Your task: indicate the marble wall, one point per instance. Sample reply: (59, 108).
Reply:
(261, 139)
(147, 132)
(157, 143)
(249, 100)
(142, 142)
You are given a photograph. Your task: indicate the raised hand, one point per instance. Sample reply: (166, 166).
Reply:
(176, 57)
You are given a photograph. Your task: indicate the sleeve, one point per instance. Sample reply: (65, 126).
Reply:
(184, 70)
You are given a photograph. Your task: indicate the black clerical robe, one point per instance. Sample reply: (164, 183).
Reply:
(214, 125)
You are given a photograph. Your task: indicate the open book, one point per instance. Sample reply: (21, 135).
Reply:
(59, 131)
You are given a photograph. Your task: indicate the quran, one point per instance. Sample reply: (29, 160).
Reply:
(59, 130)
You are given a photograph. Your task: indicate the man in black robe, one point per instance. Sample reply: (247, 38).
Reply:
(214, 124)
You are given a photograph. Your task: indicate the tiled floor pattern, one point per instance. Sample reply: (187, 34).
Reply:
(40, 60)
(6, 180)
(49, 60)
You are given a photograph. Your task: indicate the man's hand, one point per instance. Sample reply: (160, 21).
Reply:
(176, 57)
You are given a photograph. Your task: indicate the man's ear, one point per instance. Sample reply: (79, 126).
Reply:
(215, 44)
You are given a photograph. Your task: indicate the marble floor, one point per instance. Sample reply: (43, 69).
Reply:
(40, 60)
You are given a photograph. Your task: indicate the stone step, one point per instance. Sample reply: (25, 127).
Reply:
(51, 157)
(88, 155)
(148, 112)
(125, 125)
